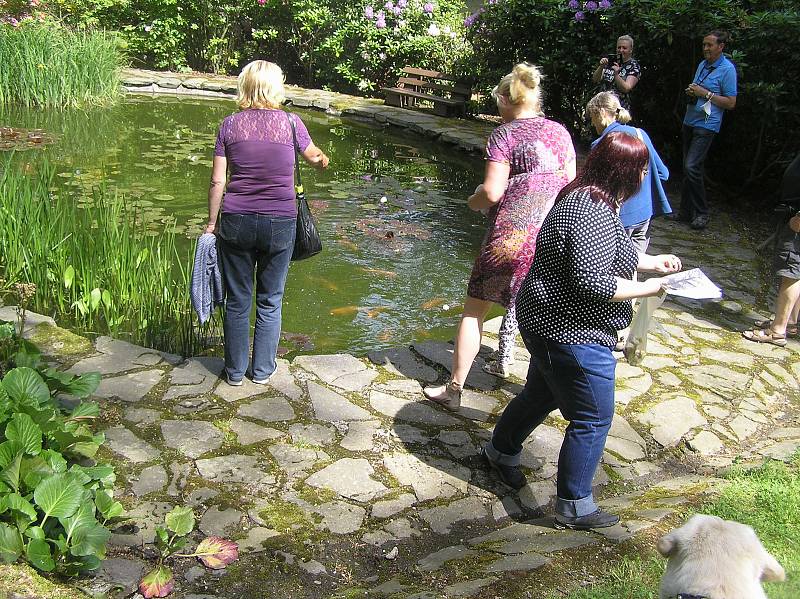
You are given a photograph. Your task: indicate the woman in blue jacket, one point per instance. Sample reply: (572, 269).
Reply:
(607, 116)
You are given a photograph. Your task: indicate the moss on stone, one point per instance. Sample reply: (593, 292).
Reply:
(55, 341)
(20, 580)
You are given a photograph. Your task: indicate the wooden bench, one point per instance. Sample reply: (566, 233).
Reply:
(448, 96)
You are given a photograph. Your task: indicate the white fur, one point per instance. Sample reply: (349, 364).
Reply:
(716, 558)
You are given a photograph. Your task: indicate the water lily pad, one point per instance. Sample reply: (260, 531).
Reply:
(163, 197)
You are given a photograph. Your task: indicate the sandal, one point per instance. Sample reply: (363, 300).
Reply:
(765, 336)
(791, 328)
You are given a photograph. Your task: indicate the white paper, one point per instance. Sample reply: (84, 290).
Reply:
(692, 284)
(707, 108)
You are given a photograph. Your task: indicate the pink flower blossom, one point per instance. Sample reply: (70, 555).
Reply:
(369, 12)
(427, 8)
(402, 3)
(397, 10)
(389, 5)
(380, 24)
(262, 2)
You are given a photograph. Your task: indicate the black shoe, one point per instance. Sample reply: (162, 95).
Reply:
(701, 222)
(510, 475)
(677, 217)
(597, 519)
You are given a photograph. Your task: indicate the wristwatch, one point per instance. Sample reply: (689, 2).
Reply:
(709, 95)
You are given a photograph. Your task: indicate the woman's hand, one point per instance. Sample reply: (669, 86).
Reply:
(603, 61)
(666, 264)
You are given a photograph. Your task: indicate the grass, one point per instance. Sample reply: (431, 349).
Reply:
(767, 498)
(47, 64)
(99, 266)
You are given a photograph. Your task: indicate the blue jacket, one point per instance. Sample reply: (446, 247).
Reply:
(206, 290)
(650, 200)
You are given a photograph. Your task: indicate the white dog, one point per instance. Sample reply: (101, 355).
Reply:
(714, 558)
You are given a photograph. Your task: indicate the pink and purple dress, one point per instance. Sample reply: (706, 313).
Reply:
(539, 153)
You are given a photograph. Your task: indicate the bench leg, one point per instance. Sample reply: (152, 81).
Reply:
(441, 109)
(393, 99)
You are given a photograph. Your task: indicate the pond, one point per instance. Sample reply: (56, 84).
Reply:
(399, 239)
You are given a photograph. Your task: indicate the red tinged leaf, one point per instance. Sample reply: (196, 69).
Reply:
(157, 583)
(216, 552)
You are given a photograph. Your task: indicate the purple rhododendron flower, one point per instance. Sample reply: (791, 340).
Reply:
(604, 4)
(402, 3)
(574, 5)
(591, 6)
(397, 10)
(470, 20)
(389, 5)
(369, 12)
(380, 24)
(580, 16)
(427, 8)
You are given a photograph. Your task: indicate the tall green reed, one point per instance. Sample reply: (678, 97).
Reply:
(99, 266)
(47, 64)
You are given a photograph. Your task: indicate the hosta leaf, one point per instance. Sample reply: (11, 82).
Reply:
(104, 473)
(91, 541)
(85, 410)
(8, 452)
(157, 583)
(58, 495)
(55, 460)
(216, 552)
(38, 554)
(180, 520)
(83, 385)
(86, 449)
(33, 471)
(82, 519)
(17, 503)
(28, 355)
(11, 473)
(26, 432)
(35, 532)
(10, 544)
(107, 506)
(25, 384)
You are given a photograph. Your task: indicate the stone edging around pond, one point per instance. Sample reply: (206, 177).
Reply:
(469, 135)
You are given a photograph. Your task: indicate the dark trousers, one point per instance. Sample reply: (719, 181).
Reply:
(254, 246)
(696, 143)
(578, 380)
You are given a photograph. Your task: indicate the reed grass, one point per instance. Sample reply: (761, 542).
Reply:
(49, 65)
(98, 266)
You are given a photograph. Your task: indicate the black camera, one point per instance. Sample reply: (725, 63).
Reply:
(612, 58)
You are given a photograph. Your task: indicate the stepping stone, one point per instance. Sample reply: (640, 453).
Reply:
(296, 460)
(717, 378)
(129, 387)
(311, 434)
(143, 416)
(411, 435)
(232, 394)
(407, 386)
(510, 563)
(401, 528)
(390, 507)
(117, 356)
(706, 443)
(192, 438)
(115, 574)
(340, 370)
(477, 406)
(442, 354)
(360, 435)
(329, 406)
(727, 357)
(543, 445)
(236, 469)
(284, 382)
(430, 479)
(269, 409)
(339, 517)
(406, 410)
(139, 527)
(441, 518)
(468, 588)
(625, 441)
(437, 559)
(122, 441)
(220, 523)
(403, 362)
(255, 539)
(247, 432)
(150, 480)
(672, 419)
(350, 478)
(782, 450)
(196, 376)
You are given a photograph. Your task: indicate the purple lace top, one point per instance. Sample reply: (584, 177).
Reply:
(258, 146)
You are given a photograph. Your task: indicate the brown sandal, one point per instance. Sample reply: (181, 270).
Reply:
(791, 328)
(765, 336)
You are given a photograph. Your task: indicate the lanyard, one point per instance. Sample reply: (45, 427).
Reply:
(707, 68)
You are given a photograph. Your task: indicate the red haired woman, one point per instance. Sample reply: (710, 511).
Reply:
(570, 307)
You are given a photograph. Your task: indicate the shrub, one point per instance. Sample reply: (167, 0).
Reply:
(753, 146)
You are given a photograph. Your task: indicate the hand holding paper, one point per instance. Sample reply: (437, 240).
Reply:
(692, 284)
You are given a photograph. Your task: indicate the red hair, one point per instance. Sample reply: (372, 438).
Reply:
(613, 170)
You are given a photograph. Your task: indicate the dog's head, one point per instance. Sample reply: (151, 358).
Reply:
(715, 541)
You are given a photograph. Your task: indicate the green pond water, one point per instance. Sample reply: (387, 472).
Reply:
(399, 239)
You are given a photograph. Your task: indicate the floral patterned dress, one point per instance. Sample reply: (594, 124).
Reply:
(539, 153)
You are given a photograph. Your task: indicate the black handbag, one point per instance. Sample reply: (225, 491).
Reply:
(306, 242)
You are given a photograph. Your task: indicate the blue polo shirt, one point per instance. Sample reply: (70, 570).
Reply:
(720, 78)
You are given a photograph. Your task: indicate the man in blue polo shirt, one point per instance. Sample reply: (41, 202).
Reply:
(710, 94)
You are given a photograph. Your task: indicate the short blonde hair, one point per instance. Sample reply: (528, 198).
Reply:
(607, 106)
(522, 86)
(260, 85)
(626, 38)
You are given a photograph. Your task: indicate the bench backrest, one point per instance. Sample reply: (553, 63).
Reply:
(423, 79)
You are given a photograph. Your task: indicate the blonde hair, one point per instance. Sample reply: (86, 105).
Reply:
(521, 86)
(260, 85)
(606, 104)
(626, 38)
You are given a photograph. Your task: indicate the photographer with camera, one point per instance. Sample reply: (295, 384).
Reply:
(620, 72)
(708, 96)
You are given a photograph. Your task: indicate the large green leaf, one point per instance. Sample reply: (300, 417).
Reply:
(23, 384)
(85, 410)
(55, 460)
(11, 473)
(10, 544)
(109, 508)
(83, 385)
(39, 555)
(34, 470)
(17, 503)
(24, 430)
(180, 520)
(90, 541)
(82, 520)
(58, 495)
(28, 355)
(9, 451)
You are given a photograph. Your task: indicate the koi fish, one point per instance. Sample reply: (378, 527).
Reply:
(377, 271)
(385, 335)
(348, 244)
(343, 310)
(329, 285)
(433, 303)
(373, 312)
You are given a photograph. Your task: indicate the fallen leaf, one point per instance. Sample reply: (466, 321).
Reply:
(157, 583)
(216, 552)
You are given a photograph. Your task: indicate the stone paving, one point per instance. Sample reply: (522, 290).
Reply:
(339, 475)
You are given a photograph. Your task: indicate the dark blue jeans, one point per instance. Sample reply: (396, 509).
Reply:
(261, 246)
(579, 381)
(696, 143)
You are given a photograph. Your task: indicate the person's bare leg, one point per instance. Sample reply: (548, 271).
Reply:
(787, 305)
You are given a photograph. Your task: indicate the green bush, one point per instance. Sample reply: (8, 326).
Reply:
(757, 139)
(46, 64)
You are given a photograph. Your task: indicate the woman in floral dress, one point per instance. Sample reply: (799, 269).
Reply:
(529, 160)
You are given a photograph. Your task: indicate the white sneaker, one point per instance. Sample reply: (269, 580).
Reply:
(232, 383)
(262, 381)
(497, 368)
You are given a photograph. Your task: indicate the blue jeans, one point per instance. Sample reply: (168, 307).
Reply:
(696, 143)
(260, 245)
(579, 381)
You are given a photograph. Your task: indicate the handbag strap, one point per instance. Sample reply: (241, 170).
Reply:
(298, 181)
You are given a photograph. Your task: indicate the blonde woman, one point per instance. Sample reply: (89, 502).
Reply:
(528, 160)
(620, 75)
(256, 226)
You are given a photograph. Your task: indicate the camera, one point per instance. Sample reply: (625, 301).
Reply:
(612, 58)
